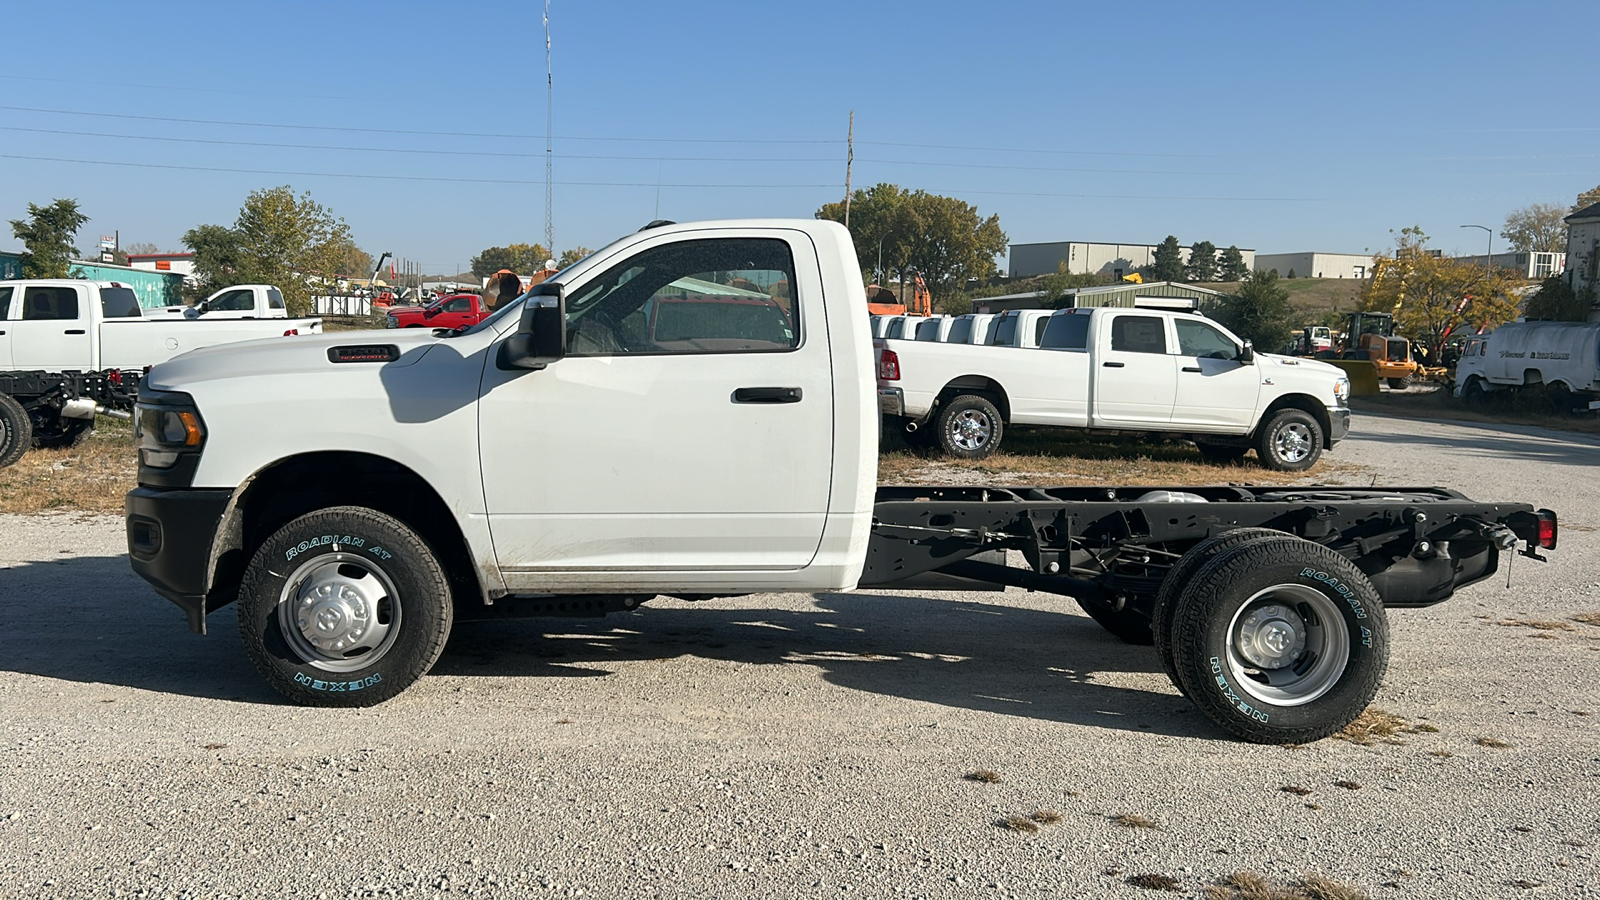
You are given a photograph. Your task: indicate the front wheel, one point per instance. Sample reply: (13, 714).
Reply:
(1400, 384)
(1291, 441)
(344, 607)
(969, 427)
(1473, 396)
(1280, 640)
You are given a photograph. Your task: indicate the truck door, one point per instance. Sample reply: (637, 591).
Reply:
(6, 294)
(1135, 379)
(1214, 388)
(52, 330)
(688, 430)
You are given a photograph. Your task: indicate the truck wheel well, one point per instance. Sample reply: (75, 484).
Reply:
(1302, 402)
(982, 386)
(301, 484)
(1532, 377)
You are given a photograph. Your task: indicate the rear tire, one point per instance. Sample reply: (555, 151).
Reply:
(345, 607)
(1399, 384)
(1179, 577)
(1280, 640)
(968, 427)
(16, 431)
(1291, 441)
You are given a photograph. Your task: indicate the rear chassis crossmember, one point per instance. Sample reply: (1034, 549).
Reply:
(1416, 545)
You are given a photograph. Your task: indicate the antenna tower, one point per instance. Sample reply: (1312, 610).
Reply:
(549, 139)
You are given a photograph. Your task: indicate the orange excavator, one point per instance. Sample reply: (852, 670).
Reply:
(882, 302)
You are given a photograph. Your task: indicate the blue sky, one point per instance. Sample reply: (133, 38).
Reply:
(1282, 127)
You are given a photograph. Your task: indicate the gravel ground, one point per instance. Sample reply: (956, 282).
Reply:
(798, 746)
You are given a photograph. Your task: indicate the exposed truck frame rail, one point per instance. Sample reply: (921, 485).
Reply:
(54, 409)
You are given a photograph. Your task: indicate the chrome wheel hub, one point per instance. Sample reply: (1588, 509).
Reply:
(338, 613)
(1293, 442)
(1272, 636)
(970, 430)
(1288, 644)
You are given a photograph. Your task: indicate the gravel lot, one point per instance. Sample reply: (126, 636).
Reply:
(799, 746)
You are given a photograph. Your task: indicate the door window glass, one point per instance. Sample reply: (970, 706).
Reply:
(119, 303)
(1069, 332)
(1201, 340)
(721, 295)
(1138, 334)
(50, 303)
(459, 304)
(5, 302)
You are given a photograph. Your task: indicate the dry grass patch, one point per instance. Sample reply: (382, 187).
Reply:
(1588, 618)
(1046, 817)
(1019, 823)
(985, 776)
(1492, 743)
(1251, 886)
(1133, 820)
(91, 477)
(1295, 789)
(1375, 725)
(1152, 881)
(1348, 785)
(1537, 624)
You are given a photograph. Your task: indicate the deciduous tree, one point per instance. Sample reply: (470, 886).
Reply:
(140, 248)
(279, 238)
(1431, 295)
(1587, 198)
(568, 257)
(1168, 262)
(1537, 228)
(1260, 311)
(523, 259)
(216, 258)
(47, 238)
(944, 239)
(1202, 262)
(1555, 299)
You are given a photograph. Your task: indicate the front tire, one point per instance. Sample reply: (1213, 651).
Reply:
(1399, 384)
(1280, 640)
(344, 607)
(16, 431)
(1291, 441)
(969, 427)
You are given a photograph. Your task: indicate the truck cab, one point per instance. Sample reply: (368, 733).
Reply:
(1019, 328)
(452, 311)
(241, 301)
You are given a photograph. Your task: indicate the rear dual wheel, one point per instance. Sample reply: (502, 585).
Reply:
(1277, 640)
(16, 430)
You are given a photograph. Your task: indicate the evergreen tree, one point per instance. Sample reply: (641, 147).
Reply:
(1168, 262)
(1232, 267)
(1202, 262)
(47, 234)
(1260, 312)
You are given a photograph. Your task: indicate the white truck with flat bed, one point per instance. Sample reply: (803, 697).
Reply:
(1109, 369)
(356, 493)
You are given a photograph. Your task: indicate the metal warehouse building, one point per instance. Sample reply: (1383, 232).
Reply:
(1316, 265)
(1091, 258)
(1157, 295)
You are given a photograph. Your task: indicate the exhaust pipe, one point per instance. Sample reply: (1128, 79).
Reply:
(910, 427)
(114, 413)
(78, 408)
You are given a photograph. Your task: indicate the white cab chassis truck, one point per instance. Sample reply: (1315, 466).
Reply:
(71, 349)
(1111, 369)
(241, 301)
(354, 494)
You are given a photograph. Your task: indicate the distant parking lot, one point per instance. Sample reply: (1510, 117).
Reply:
(806, 746)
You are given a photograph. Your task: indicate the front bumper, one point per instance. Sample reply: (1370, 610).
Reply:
(170, 537)
(1338, 424)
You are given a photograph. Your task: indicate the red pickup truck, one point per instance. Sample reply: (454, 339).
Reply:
(453, 311)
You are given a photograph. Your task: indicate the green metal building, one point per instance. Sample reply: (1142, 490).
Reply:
(154, 288)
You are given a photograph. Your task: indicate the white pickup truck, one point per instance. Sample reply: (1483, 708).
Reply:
(242, 301)
(356, 493)
(1134, 370)
(70, 348)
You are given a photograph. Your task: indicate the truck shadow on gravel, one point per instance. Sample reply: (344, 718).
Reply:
(1553, 448)
(1029, 663)
(91, 620)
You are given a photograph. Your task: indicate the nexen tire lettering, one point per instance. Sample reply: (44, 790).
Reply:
(1233, 696)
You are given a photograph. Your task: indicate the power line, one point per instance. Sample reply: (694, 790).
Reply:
(372, 176)
(489, 153)
(1031, 150)
(433, 133)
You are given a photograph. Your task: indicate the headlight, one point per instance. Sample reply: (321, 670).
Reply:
(166, 427)
(1341, 390)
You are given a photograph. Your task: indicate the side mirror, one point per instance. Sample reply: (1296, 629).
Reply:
(541, 335)
(197, 310)
(430, 312)
(1247, 354)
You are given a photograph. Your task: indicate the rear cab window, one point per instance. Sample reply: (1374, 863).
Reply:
(5, 302)
(928, 330)
(1005, 331)
(119, 303)
(274, 299)
(960, 332)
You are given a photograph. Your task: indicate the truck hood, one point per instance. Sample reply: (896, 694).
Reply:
(1300, 363)
(305, 353)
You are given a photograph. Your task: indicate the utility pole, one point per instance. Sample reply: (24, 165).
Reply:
(849, 158)
(549, 140)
